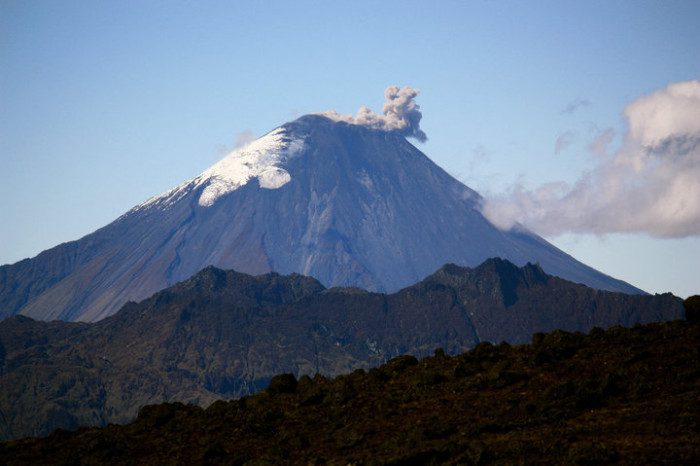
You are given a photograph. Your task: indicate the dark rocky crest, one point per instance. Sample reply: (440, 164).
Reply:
(226, 334)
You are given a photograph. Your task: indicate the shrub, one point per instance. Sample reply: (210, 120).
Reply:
(692, 308)
(283, 383)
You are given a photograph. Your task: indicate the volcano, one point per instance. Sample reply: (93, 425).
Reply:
(341, 202)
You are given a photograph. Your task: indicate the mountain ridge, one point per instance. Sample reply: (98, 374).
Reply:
(226, 334)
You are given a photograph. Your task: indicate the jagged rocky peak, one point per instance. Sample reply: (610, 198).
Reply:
(529, 274)
(494, 267)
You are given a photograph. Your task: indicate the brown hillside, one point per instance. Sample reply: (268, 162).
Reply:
(626, 396)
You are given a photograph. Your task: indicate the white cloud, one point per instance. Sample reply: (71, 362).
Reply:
(665, 114)
(599, 146)
(244, 138)
(651, 184)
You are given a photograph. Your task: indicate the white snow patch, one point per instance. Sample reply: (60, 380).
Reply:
(262, 159)
(274, 178)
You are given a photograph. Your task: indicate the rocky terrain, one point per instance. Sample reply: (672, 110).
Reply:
(226, 334)
(621, 396)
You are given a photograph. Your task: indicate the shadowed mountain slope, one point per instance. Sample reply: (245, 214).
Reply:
(225, 334)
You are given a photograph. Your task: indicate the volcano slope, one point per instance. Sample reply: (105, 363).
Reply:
(343, 203)
(226, 334)
(624, 396)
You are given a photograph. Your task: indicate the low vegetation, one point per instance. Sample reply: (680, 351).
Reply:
(623, 395)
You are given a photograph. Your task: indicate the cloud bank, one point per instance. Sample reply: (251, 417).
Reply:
(651, 184)
(400, 114)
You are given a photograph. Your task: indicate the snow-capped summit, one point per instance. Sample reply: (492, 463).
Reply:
(262, 158)
(345, 203)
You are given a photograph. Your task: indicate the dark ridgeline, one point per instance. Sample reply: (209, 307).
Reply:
(361, 208)
(226, 334)
(621, 396)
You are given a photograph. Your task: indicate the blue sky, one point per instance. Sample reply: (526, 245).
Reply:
(104, 104)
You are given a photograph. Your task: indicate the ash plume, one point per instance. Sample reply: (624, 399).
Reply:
(400, 114)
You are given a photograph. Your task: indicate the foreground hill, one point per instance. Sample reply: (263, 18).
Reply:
(624, 396)
(226, 334)
(344, 203)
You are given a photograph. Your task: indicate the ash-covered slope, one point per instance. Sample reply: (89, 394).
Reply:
(225, 334)
(348, 205)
